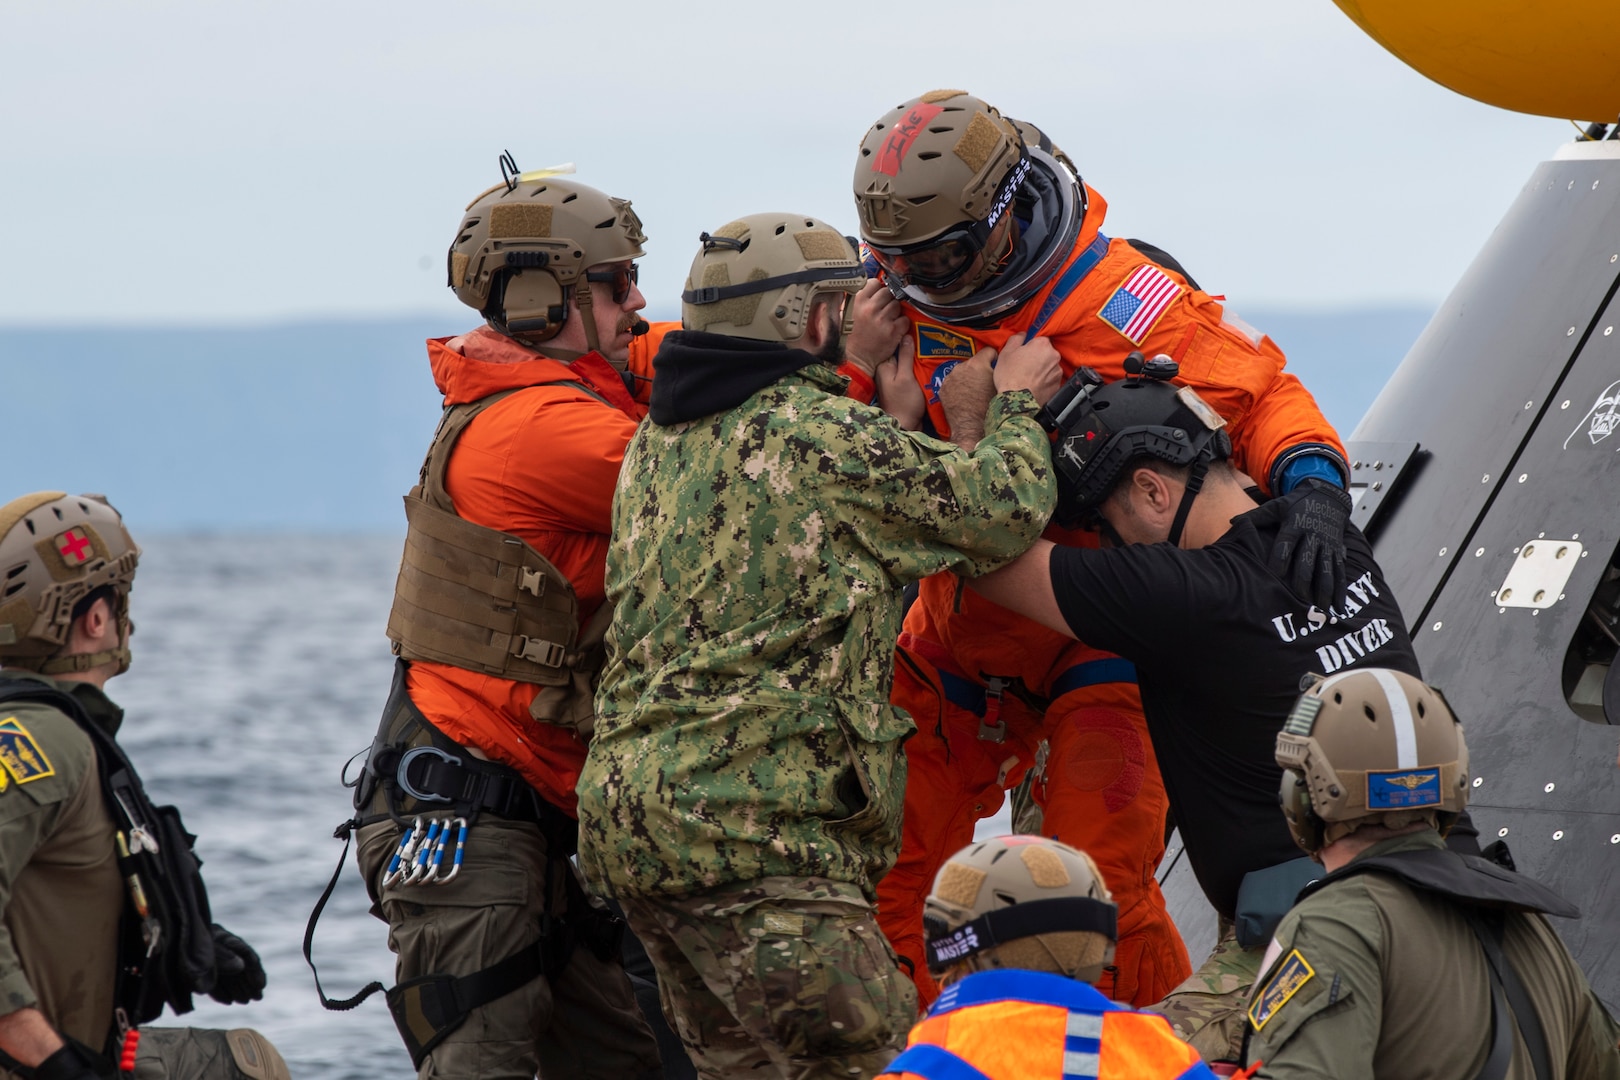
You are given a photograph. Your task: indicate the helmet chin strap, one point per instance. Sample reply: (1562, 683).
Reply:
(583, 301)
(1195, 484)
(82, 662)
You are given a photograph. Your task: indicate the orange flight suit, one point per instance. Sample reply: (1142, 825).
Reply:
(1100, 788)
(541, 464)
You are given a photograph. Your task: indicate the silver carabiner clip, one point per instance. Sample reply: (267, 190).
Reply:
(402, 778)
(400, 864)
(461, 848)
(424, 852)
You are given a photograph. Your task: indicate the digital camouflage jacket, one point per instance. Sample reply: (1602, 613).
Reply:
(744, 726)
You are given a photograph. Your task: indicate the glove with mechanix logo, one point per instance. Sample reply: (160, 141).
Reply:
(1309, 553)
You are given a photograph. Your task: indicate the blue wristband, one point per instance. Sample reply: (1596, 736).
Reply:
(1305, 466)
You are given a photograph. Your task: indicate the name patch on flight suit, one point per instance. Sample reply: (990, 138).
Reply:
(1397, 790)
(936, 342)
(20, 753)
(1293, 975)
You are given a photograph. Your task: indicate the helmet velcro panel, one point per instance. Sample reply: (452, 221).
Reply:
(520, 221)
(959, 884)
(981, 140)
(820, 245)
(933, 97)
(736, 311)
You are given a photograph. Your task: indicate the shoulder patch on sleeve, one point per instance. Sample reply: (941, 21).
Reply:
(1290, 978)
(1135, 306)
(21, 755)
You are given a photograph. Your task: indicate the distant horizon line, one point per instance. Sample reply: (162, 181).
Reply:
(282, 322)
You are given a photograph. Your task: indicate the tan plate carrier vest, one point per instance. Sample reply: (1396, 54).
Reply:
(484, 600)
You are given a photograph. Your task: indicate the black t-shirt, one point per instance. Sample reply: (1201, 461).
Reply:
(1220, 645)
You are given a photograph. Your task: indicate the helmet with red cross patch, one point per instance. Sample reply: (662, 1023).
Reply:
(55, 550)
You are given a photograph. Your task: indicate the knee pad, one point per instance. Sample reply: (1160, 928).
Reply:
(256, 1057)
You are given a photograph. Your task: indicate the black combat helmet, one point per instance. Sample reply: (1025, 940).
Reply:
(1101, 428)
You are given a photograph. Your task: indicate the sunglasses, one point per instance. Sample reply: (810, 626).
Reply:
(622, 278)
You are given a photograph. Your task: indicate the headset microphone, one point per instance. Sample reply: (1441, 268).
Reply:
(639, 327)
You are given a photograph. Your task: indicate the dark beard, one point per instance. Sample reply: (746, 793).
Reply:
(832, 353)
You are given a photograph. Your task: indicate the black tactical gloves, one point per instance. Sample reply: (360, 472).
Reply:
(72, 1062)
(238, 975)
(1309, 553)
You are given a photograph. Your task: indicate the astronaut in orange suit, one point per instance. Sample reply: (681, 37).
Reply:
(982, 231)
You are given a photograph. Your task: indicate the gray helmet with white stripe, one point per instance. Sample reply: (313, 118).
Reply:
(1371, 746)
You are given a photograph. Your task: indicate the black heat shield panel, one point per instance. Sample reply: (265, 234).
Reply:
(1482, 393)
(1548, 783)
(1479, 378)
(1501, 391)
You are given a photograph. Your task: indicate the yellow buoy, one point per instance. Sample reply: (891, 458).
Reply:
(1547, 57)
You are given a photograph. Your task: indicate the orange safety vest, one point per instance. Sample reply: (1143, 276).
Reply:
(1029, 1025)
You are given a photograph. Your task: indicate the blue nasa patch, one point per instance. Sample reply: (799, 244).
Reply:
(21, 754)
(1402, 789)
(936, 342)
(938, 378)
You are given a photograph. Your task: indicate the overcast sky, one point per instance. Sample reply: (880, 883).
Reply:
(204, 162)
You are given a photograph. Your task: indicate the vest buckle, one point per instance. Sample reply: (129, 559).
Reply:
(532, 581)
(992, 728)
(539, 651)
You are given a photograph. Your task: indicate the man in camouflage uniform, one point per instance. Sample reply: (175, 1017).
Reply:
(742, 795)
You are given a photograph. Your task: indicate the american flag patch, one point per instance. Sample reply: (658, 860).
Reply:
(1137, 304)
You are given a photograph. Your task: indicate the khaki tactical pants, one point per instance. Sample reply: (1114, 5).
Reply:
(1209, 1011)
(779, 978)
(582, 1023)
(206, 1054)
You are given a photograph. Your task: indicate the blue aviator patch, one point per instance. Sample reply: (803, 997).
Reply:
(21, 754)
(936, 343)
(1399, 790)
(1291, 976)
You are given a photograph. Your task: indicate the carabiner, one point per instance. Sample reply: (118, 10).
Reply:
(461, 847)
(423, 852)
(403, 854)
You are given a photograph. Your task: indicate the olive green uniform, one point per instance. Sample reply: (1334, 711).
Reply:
(61, 896)
(1373, 977)
(743, 791)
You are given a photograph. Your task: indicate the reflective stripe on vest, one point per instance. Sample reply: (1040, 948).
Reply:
(1006, 1024)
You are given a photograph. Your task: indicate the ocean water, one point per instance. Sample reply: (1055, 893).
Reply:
(260, 668)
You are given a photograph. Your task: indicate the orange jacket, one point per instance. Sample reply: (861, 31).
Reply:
(1027, 1025)
(541, 464)
(1238, 371)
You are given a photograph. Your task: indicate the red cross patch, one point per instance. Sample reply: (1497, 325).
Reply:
(74, 547)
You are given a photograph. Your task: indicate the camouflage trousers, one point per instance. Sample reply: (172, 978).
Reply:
(1209, 1011)
(778, 978)
(207, 1054)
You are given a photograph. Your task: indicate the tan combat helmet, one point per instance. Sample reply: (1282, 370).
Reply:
(936, 181)
(527, 243)
(758, 276)
(1372, 746)
(1020, 902)
(56, 549)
